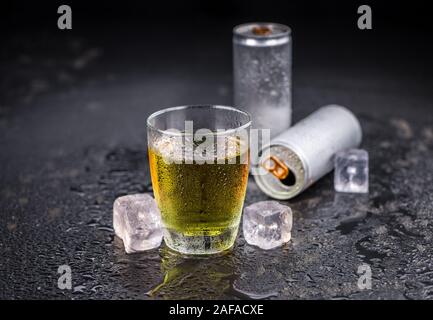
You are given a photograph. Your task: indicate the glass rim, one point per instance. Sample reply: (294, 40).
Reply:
(160, 112)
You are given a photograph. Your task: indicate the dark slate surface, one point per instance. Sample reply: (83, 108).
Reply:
(72, 137)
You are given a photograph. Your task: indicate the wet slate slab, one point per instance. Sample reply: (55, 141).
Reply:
(73, 139)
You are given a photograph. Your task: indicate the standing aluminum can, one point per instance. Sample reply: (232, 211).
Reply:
(303, 154)
(262, 67)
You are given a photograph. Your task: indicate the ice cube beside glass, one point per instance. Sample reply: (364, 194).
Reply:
(351, 171)
(137, 221)
(267, 224)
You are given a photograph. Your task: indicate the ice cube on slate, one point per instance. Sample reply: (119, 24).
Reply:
(137, 221)
(351, 171)
(267, 224)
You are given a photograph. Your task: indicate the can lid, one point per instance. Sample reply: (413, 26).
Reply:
(278, 186)
(261, 34)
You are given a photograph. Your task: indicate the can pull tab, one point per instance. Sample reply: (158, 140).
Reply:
(276, 167)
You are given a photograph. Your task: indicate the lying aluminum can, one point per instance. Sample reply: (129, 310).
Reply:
(300, 156)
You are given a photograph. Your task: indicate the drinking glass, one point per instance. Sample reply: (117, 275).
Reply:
(199, 164)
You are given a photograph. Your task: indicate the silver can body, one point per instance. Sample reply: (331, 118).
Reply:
(262, 72)
(307, 149)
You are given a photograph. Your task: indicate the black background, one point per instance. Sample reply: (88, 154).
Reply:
(195, 36)
(322, 29)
